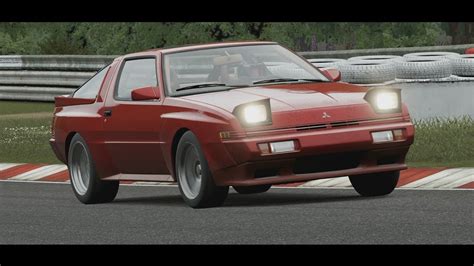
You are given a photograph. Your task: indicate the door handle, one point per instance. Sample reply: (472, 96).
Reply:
(107, 113)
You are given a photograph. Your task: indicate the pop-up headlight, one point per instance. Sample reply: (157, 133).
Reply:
(254, 114)
(384, 100)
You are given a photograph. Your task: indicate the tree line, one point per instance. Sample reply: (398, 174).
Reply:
(125, 37)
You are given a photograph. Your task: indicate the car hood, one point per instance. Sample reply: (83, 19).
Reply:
(287, 97)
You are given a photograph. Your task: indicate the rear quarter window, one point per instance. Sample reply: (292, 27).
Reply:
(91, 88)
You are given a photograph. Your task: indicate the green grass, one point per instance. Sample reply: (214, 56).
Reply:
(25, 140)
(443, 142)
(14, 107)
(438, 142)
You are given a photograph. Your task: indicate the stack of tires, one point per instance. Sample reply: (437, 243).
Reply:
(326, 62)
(361, 69)
(379, 69)
(372, 69)
(428, 65)
(463, 65)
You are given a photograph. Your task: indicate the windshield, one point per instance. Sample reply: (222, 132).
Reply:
(224, 68)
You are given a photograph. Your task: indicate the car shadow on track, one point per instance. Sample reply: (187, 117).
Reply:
(272, 198)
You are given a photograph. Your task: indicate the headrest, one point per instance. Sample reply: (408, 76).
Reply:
(227, 59)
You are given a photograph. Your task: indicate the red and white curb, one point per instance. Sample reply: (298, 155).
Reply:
(412, 178)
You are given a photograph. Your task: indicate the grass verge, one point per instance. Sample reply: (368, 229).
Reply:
(15, 107)
(25, 140)
(443, 142)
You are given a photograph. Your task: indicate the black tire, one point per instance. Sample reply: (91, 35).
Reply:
(252, 189)
(97, 190)
(206, 194)
(375, 184)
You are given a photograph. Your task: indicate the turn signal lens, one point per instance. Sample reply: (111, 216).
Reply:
(264, 149)
(398, 134)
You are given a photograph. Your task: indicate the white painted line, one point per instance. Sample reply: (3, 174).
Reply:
(5, 166)
(339, 182)
(423, 181)
(40, 172)
(333, 182)
(461, 175)
(459, 182)
(322, 182)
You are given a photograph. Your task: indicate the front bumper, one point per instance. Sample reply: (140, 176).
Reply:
(320, 154)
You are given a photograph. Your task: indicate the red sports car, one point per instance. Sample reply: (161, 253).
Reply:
(244, 114)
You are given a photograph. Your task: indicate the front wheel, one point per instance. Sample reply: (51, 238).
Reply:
(377, 184)
(252, 189)
(195, 180)
(86, 184)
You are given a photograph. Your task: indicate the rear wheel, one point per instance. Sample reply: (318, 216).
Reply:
(375, 184)
(86, 184)
(252, 189)
(195, 180)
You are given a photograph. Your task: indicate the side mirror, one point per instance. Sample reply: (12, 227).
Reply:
(146, 93)
(332, 73)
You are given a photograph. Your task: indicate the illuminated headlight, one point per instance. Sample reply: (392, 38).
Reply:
(384, 100)
(254, 114)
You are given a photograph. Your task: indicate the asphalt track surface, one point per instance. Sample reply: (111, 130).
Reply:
(41, 213)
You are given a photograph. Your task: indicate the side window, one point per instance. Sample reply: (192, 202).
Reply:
(91, 88)
(136, 73)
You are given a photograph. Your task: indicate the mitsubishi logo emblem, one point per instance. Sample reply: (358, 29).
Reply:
(325, 115)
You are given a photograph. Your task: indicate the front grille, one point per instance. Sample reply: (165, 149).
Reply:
(330, 125)
(328, 162)
(311, 127)
(320, 126)
(344, 124)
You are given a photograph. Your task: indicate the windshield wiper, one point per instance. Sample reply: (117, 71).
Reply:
(205, 85)
(285, 80)
(202, 85)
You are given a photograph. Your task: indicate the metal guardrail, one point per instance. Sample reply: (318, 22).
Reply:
(41, 77)
(54, 62)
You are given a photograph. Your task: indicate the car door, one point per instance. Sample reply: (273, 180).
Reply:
(132, 127)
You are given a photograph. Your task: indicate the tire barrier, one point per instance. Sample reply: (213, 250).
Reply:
(423, 68)
(431, 55)
(463, 65)
(373, 58)
(364, 72)
(325, 62)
